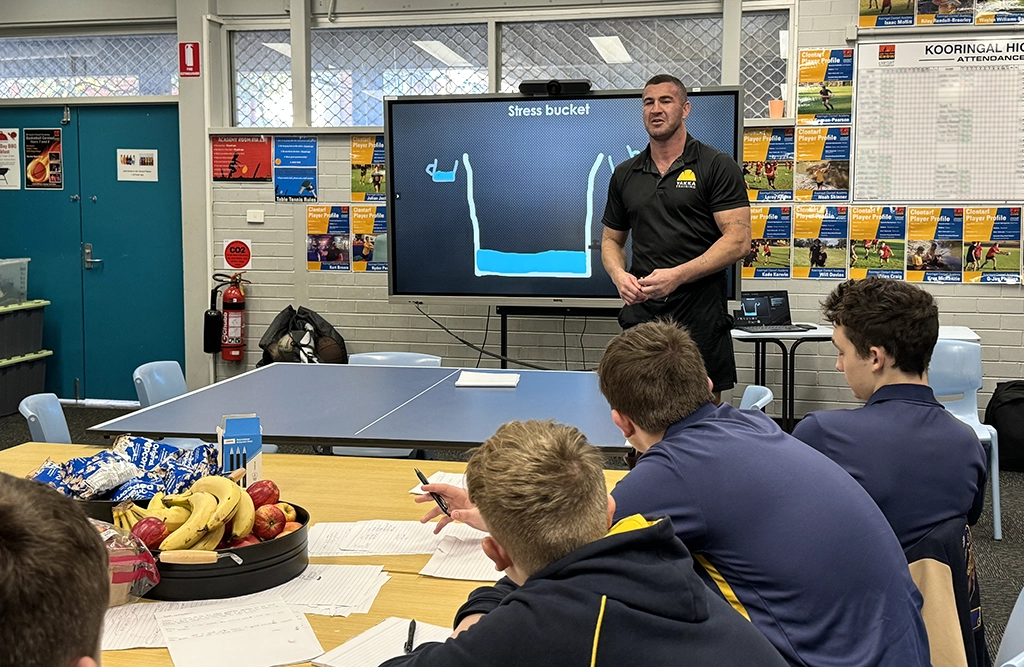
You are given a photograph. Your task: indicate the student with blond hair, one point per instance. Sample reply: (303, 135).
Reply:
(54, 586)
(584, 594)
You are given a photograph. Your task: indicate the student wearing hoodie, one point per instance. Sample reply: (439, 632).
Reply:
(586, 595)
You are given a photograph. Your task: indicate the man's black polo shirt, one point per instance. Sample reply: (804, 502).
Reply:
(671, 216)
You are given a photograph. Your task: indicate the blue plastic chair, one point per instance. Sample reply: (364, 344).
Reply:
(46, 422)
(954, 374)
(756, 397)
(385, 359)
(160, 381)
(1011, 649)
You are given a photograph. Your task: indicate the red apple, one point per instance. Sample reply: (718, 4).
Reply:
(269, 522)
(289, 512)
(289, 527)
(244, 541)
(151, 531)
(264, 492)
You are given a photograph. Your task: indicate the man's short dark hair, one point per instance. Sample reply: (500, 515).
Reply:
(667, 78)
(890, 314)
(54, 585)
(654, 374)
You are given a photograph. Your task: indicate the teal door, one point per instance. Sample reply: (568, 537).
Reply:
(127, 308)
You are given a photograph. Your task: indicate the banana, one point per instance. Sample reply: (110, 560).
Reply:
(177, 499)
(130, 517)
(118, 519)
(245, 516)
(203, 507)
(227, 493)
(156, 502)
(173, 517)
(210, 541)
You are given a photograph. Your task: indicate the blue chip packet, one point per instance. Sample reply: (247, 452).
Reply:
(52, 475)
(145, 453)
(140, 488)
(92, 476)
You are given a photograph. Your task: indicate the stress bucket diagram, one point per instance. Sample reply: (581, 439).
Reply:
(549, 263)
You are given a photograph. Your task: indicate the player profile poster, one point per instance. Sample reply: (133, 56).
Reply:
(822, 164)
(10, 159)
(992, 245)
(295, 169)
(819, 241)
(768, 163)
(999, 11)
(327, 238)
(770, 249)
(886, 13)
(368, 168)
(945, 12)
(935, 247)
(369, 240)
(44, 160)
(878, 241)
(244, 158)
(825, 88)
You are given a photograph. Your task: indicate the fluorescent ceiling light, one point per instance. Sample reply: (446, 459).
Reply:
(284, 49)
(611, 49)
(443, 53)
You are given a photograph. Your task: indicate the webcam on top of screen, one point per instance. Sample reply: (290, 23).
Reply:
(554, 87)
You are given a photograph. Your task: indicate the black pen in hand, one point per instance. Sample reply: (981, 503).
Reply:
(436, 496)
(412, 636)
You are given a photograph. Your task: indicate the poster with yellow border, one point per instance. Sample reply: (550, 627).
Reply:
(819, 241)
(369, 238)
(771, 242)
(768, 163)
(935, 244)
(999, 12)
(822, 170)
(368, 177)
(878, 241)
(327, 238)
(945, 12)
(992, 244)
(825, 87)
(886, 13)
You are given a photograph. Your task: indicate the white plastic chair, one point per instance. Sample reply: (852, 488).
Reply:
(159, 381)
(1011, 650)
(756, 397)
(955, 370)
(385, 359)
(46, 422)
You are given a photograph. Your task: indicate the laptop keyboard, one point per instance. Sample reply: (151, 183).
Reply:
(771, 328)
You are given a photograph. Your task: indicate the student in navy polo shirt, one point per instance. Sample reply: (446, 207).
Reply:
(789, 539)
(921, 464)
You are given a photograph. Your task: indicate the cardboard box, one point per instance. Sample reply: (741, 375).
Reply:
(240, 441)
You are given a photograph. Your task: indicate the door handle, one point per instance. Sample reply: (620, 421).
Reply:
(93, 198)
(89, 261)
(75, 197)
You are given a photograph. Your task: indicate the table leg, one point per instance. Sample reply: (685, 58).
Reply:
(792, 383)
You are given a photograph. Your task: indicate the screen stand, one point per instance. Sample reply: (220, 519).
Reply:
(544, 311)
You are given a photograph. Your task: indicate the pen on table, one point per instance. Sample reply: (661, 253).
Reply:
(412, 636)
(436, 496)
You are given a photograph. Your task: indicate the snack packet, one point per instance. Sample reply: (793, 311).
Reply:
(132, 568)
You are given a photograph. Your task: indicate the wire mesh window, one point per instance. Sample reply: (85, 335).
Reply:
(263, 78)
(613, 53)
(762, 68)
(88, 66)
(354, 68)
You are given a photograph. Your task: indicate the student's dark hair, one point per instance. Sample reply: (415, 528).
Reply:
(54, 585)
(667, 78)
(654, 374)
(891, 314)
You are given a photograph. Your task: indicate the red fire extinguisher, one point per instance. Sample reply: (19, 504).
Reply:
(232, 337)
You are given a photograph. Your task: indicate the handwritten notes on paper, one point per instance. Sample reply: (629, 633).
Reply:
(381, 538)
(461, 559)
(382, 642)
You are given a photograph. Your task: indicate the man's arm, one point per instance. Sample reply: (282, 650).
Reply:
(483, 600)
(613, 256)
(731, 247)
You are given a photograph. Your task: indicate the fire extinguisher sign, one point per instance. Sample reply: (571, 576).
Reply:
(237, 254)
(188, 59)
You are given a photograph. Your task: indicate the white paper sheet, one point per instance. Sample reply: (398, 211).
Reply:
(263, 633)
(382, 642)
(461, 559)
(382, 538)
(334, 590)
(452, 478)
(474, 379)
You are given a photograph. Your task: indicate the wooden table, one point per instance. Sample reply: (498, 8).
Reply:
(332, 489)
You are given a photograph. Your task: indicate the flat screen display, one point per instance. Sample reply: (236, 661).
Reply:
(499, 198)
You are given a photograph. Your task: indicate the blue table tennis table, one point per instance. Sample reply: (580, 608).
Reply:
(379, 406)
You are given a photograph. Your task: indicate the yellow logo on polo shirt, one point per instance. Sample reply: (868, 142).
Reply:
(686, 179)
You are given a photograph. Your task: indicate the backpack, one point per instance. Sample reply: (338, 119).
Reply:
(1005, 412)
(302, 336)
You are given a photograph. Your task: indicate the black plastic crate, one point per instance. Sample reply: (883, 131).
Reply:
(21, 328)
(20, 377)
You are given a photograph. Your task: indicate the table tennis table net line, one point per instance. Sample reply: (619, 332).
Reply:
(399, 407)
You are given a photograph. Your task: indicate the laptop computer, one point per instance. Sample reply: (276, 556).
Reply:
(766, 312)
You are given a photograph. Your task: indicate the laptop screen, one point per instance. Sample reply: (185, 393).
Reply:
(767, 307)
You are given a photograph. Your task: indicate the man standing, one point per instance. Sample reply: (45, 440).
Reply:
(686, 206)
(918, 462)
